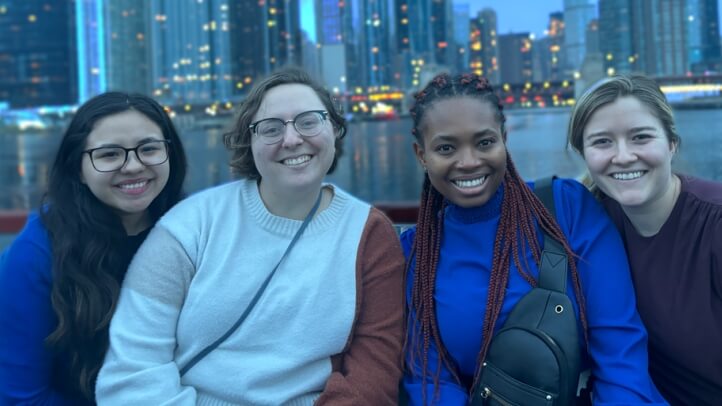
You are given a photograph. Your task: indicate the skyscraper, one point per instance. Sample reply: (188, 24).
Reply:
(548, 51)
(515, 58)
(577, 15)
(38, 48)
(127, 45)
(483, 46)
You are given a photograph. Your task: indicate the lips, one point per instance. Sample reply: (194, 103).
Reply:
(133, 186)
(630, 175)
(469, 183)
(295, 161)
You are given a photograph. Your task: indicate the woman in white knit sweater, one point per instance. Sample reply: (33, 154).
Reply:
(328, 327)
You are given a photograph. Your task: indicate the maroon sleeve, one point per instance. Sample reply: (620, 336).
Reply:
(369, 369)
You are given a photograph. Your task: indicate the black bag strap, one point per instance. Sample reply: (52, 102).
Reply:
(553, 267)
(257, 296)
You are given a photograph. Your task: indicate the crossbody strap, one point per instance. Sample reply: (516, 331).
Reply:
(257, 296)
(554, 261)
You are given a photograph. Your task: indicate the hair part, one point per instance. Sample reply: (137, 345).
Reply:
(607, 91)
(87, 263)
(239, 139)
(521, 212)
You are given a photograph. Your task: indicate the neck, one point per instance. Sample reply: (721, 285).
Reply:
(290, 204)
(135, 224)
(649, 218)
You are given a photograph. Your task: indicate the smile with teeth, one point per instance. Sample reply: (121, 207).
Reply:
(296, 160)
(469, 183)
(628, 175)
(136, 185)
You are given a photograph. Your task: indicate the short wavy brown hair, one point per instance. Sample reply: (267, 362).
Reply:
(238, 140)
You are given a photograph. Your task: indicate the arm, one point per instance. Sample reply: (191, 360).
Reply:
(26, 319)
(140, 367)
(368, 371)
(617, 338)
(450, 392)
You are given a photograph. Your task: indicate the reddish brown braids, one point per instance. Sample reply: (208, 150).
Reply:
(516, 234)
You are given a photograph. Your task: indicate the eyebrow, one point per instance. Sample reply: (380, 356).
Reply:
(142, 141)
(631, 130)
(449, 137)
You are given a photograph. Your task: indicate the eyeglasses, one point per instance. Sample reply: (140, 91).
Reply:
(308, 124)
(111, 159)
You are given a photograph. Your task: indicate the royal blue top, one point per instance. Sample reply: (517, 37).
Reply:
(30, 373)
(617, 339)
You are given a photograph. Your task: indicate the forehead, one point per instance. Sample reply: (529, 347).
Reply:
(621, 114)
(126, 128)
(285, 101)
(459, 115)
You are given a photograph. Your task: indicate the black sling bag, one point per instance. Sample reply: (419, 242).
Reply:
(535, 359)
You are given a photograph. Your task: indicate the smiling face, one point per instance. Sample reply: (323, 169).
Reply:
(131, 189)
(296, 164)
(463, 150)
(628, 153)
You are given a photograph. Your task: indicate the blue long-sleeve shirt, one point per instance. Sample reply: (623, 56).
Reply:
(617, 339)
(26, 319)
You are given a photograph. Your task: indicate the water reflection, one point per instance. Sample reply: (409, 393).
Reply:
(378, 162)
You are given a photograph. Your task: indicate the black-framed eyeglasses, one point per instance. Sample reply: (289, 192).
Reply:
(308, 124)
(111, 159)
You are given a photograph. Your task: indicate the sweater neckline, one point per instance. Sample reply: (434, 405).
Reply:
(286, 226)
(469, 215)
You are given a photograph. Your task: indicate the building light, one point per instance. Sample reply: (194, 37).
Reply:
(610, 71)
(610, 57)
(32, 18)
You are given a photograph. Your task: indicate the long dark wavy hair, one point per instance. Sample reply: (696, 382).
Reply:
(521, 211)
(85, 235)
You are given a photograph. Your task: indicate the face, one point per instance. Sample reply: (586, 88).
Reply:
(628, 153)
(296, 164)
(132, 188)
(463, 150)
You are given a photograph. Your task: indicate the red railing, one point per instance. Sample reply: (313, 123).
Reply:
(12, 221)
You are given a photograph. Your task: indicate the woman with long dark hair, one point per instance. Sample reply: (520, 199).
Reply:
(475, 253)
(119, 167)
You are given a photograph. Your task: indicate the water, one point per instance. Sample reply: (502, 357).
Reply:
(378, 162)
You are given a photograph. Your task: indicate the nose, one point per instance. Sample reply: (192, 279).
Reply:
(132, 164)
(468, 158)
(624, 154)
(291, 137)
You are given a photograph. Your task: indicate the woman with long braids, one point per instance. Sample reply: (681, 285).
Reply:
(474, 252)
(119, 167)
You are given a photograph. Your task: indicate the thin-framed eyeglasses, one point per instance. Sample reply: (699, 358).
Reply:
(308, 124)
(111, 159)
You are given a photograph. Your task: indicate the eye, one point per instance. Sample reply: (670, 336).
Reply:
(149, 148)
(444, 149)
(487, 142)
(600, 142)
(107, 153)
(642, 137)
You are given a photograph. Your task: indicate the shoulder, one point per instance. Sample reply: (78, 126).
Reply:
(703, 190)
(29, 253)
(348, 199)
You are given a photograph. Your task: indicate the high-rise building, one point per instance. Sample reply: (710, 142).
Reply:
(38, 48)
(577, 15)
(191, 51)
(461, 36)
(483, 45)
(548, 51)
(128, 45)
(515, 58)
(658, 37)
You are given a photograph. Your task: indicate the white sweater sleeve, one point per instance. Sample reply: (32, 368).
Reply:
(139, 367)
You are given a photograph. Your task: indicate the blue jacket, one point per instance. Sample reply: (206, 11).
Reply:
(617, 338)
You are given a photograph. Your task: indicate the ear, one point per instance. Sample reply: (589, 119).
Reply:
(420, 154)
(673, 147)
